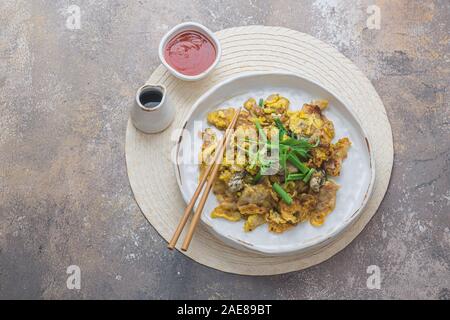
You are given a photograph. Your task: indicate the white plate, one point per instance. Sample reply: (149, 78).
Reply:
(356, 180)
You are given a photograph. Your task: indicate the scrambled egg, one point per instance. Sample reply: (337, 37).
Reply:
(310, 122)
(221, 119)
(242, 195)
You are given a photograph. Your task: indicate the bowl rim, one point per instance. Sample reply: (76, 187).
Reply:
(186, 26)
(321, 241)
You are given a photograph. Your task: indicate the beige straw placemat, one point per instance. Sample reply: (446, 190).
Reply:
(255, 48)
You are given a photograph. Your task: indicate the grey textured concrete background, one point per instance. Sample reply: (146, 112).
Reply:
(65, 197)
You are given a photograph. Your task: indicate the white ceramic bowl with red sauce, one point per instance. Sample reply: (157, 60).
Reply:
(190, 51)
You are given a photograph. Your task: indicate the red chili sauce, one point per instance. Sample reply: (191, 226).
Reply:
(190, 52)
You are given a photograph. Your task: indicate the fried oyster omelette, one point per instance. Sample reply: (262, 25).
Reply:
(300, 189)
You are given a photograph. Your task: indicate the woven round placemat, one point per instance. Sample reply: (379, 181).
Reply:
(255, 48)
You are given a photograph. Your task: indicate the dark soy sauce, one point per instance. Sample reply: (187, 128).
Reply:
(151, 98)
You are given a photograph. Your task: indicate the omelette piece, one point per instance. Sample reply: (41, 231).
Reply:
(318, 156)
(310, 122)
(339, 152)
(253, 222)
(326, 202)
(252, 209)
(276, 222)
(275, 217)
(317, 219)
(279, 228)
(276, 104)
(221, 118)
(257, 194)
(226, 211)
(322, 104)
(291, 213)
(253, 108)
(245, 118)
(299, 210)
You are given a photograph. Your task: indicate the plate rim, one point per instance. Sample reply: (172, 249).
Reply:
(244, 246)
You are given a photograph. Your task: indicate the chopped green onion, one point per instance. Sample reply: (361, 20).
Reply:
(298, 143)
(301, 153)
(308, 175)
(283, 154)
(297, 163)
(257, 177)
(261, 131)
(261, 102)
(282, 193)
(282, 130)
(279, 124)
(295, 176)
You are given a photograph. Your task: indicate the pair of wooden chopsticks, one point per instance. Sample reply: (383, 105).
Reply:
(213, 168)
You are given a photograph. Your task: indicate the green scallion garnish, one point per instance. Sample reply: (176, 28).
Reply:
(261, 102)
(282, 193)
(295, 176)
(292, 158)
(257, 177)
(262, 134)
(308, 175)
